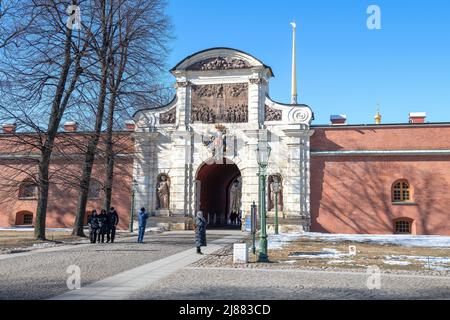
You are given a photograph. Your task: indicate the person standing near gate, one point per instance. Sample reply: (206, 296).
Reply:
(200, 232)
(102, 226)
(113, 220)
(93, 226)
(142, 219)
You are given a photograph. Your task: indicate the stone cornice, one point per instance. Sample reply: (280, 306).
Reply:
(379, 153)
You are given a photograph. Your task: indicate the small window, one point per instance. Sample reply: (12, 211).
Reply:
(24, 218)
(94, 190)
(28, 219)
(401, 191)
(403, 226)
(28, 190)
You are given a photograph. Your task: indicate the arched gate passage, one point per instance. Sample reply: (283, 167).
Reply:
(214, 182)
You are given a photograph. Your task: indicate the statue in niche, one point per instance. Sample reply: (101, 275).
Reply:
(272, 193)
(163, 192)
(235, 197)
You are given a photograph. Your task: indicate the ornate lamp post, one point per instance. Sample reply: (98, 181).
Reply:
(134, 185)
(262, 155)
(276, 188)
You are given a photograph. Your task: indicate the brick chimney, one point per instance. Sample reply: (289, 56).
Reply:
(338, 120)
(417, 117)
(70, 126)
(130, 125)
(9, 128)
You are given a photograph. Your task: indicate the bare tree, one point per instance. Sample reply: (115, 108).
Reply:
(40, 81)
(131, 50)
(143, 31)
(13, 21)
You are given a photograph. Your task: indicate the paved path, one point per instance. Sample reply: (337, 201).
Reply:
(270, 284)
(42, 274)
(123, 285)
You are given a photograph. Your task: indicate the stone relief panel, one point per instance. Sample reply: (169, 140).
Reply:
(219, 63)
(273, 114)
(169, 117)
(220, 103)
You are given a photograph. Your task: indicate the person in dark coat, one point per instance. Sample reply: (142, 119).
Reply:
(142, 219)
(112, 221)
(200, 232)
(102, 225)
(93, 226)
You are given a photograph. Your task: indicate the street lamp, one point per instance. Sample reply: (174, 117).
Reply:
(262, 155)
(276, 186)
(134, 185)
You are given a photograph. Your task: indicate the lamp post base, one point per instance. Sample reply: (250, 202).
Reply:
(262, 255)
(263, 258)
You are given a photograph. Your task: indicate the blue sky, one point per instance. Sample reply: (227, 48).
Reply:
(343, 67)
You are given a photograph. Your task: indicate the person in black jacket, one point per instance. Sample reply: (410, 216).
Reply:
(113, 220)
(93, 226)
(102, 225)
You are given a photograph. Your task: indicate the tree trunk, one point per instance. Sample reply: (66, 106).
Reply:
(110, 160)
(41, 213)
(89, 160)
(47, 149)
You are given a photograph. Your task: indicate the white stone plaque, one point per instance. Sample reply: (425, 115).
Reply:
(240, 253)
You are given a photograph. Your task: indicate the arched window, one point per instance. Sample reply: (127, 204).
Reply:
(403, 226)
(28, 189)
(94, 190)
(24, 218)
(401, 191)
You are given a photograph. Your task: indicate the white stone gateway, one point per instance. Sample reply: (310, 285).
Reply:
(202, 145)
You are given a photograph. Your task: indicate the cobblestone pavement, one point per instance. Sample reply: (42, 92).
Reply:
(271, 284)
(40, 275)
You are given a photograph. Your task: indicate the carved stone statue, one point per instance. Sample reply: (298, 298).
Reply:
(220, 63)
(163, 191)
(272, 194)
(169, 117)
(235, 196)
(217, 143)
(273, 114)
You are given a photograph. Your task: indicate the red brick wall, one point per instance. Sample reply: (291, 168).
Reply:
(410, 137)
(353, 194)
(63, 193)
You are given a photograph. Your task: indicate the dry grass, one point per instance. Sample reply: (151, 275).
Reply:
(368, 254)
(20, 239)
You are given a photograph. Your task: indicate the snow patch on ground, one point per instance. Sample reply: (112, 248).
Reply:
(340, 261)
(435, 263)
(325, 254)
(278, 241)
(396, 263)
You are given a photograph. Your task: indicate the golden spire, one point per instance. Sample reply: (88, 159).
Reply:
(378, 116)
(294, 66)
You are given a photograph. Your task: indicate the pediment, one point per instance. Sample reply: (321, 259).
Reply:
(217, 59)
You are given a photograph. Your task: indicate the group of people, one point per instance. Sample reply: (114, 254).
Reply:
(103, 224)
(236, 218)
